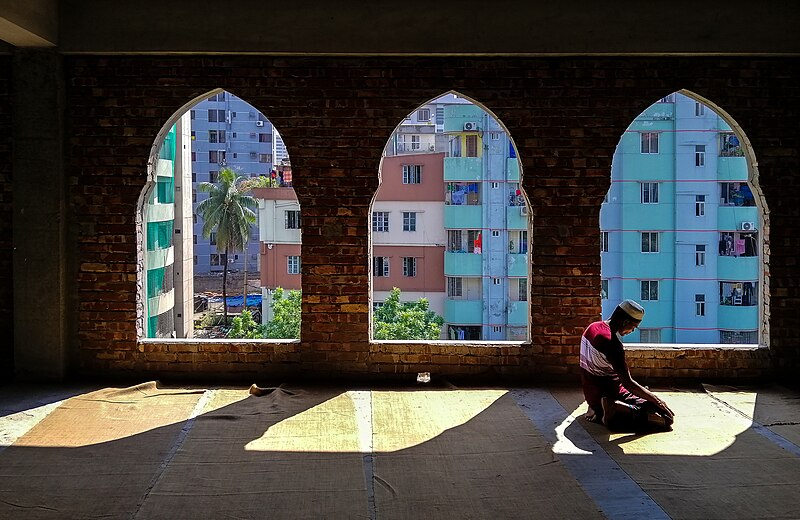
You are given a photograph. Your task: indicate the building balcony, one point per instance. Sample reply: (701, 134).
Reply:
(463, 312)
(165, 168)
(463, 264)
(160, 257)
(518, 314)
(462, 168)
(737, 267)
(731, 168)
(662, 111)
(512, 169)
(160, 212)
(517, 217)
(738, 317)
(161, 303)
(518, 265)
(731, 217)
(463, 217)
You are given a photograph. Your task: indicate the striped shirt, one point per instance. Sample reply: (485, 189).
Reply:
(601, 350)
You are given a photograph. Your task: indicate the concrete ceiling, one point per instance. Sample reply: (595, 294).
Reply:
(412, 27)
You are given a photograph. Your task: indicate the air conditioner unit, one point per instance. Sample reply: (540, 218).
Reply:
(523, 210)
(748, 226)
(259, 123)
(470, 126)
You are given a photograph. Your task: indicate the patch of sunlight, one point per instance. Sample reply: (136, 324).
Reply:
(375, 421)
(563, 445)
(703, 426)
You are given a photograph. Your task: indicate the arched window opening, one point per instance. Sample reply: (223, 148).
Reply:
(682, 227)
(221, 228)
(449, 228)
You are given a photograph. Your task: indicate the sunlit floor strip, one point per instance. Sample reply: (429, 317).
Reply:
(15, 425)
(362, 402)
(614, 492)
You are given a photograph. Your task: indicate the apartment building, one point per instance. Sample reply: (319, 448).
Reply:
(167, 259)
(228, 132)
(680, 228)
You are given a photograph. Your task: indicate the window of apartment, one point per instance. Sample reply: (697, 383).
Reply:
(497, 329)
(380, 266)
(380, 221)
(195, 259)
(213, 175)
(649, 290)
(604, 241)
(738, 293)
(650, 335)
(699, 109)
(649, 242)
(194, 135)
(194, 156)
(495, 185)
(667, 99)
(736, 194)
(497, 281)
(194, 175)
(738, 244)
(293, 265)
(191, 114)
(412, 173)
(216, 116)
(409, 221)
(455, 287)
(264, 138)
(194, 239)
(215, 259)
(699, 205)
(194, 195)
(291, 219)
(415, 142)
(523, 289)
(700, 155)
(212, 238)
(462, 193)
(216, 136)
(729, 145)
(738, 337)
(424, 114)
(700, 304)
(409, 266)
(495, 136)
(700, 255)
(217, 156)
(649, 193)
(455, 146)
(604, 289)
(265, 158)
(649, 142)
(254, 155)
(472, 145)
(376, 306)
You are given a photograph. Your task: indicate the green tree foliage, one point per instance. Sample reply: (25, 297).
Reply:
(285, 322)
(409, 320)
(245, 326)
(228, 211)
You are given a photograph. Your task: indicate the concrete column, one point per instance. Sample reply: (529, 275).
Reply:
(39, 213)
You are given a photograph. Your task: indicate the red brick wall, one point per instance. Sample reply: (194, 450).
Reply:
(566, 116)
(6, 248)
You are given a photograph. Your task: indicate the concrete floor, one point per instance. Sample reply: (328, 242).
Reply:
(303, 452)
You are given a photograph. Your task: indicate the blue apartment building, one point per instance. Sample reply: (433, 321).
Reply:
(227, 132)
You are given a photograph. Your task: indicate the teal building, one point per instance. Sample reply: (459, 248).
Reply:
(680, 228)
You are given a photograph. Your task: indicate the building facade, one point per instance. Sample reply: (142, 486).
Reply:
(168, 287)
(680, 228)
(227, 132)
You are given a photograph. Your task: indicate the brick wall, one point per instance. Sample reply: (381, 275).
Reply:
(6, 248)
(565, 115)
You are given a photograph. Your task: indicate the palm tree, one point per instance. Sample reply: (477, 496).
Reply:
(228, 211)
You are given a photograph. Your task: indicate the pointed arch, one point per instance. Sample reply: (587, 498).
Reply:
(684, 226)
(168, 227)
(450, 223)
